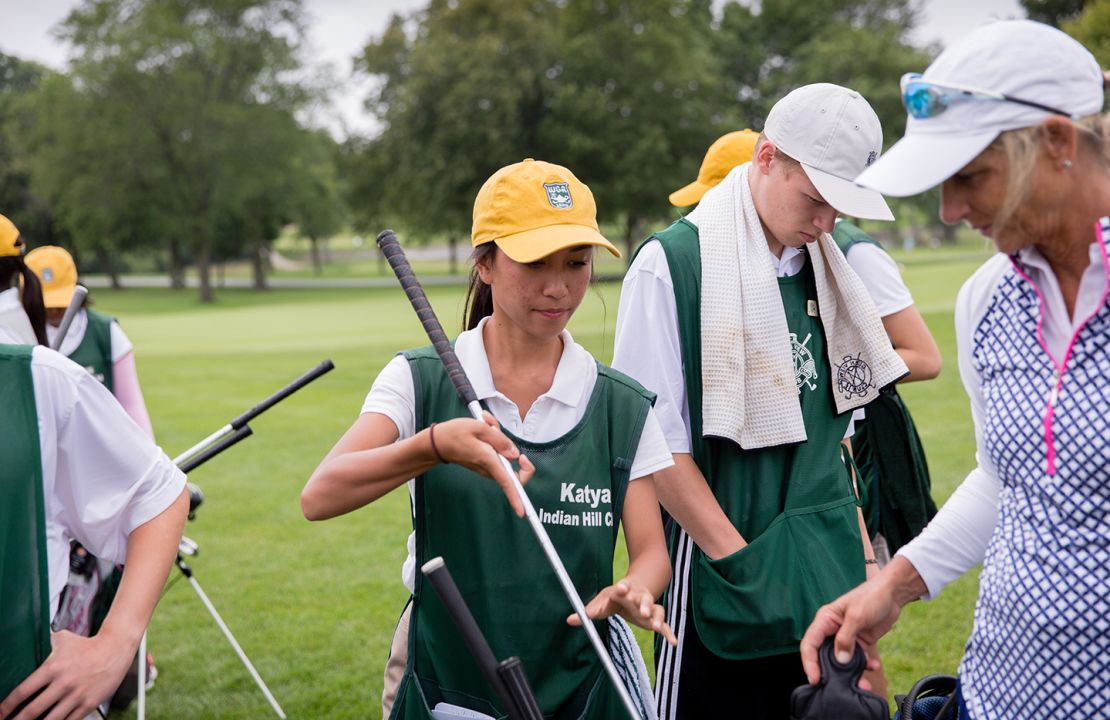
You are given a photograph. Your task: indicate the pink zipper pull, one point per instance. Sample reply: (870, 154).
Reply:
(1050, 412)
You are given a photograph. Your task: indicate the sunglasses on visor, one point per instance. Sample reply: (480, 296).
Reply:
(927, 99)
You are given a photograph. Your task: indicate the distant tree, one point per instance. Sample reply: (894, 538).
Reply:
(1092, 28)
(317, 202)
(173, 98)
(19, 82)
(1054, 12)
(634, 102)
(461, 92)
(621, 92)
(861, 44)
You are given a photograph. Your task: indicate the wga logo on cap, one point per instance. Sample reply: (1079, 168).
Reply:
(871, 157)
(558, 194)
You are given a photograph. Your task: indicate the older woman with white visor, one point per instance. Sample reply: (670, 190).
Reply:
(1008, 123)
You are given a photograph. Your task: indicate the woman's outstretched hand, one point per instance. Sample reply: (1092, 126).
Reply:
(633, 602)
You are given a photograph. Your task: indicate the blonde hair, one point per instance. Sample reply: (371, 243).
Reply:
(1020, 149)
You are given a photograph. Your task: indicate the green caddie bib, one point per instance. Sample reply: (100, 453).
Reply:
(578, 491)
(794, 504)
(95, 351)
(24, 575)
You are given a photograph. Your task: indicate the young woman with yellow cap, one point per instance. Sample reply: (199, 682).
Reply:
(21, 311)
(94, 340)
(585, 437)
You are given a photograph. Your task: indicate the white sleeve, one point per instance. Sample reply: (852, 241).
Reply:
(394, 396)
(121, 344)
(881, 277)
(647, 345)
(956, 540)
(653, 453)
(106, 477)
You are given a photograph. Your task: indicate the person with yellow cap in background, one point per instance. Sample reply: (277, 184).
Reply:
(94, 340)
(21, 310)
(75, 467)
(97, 343)
(887, 450)
(728, 151)
(584, 435)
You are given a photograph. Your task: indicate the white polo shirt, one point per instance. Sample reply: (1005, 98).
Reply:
(102, 475)
(13, 319)
(551, 416)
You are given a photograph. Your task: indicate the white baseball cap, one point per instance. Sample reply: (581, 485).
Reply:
(833, 132)
(1018, 62)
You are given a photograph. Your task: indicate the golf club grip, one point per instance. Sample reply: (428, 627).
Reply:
(323, 367)
(391, 248)
(512, 674)
(200, 458)
(440, 577)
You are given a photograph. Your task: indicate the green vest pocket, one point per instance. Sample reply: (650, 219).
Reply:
(759, 600)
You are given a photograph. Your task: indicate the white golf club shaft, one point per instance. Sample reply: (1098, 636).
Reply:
(218, 435)
(75, 302)
(556, 563)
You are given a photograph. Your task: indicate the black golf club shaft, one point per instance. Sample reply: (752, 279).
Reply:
(285, 392)
(440, 577)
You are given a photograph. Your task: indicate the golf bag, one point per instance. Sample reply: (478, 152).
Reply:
(933, 697)
(85, 603)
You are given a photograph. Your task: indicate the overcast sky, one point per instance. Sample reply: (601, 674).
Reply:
(340, 28)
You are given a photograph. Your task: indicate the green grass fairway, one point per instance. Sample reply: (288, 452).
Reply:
(314, 605)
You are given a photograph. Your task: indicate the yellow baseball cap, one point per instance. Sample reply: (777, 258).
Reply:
(56, 271)
(532, 209)
(10, 243)
(726, 152)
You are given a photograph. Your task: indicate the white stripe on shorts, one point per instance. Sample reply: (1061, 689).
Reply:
(668, 672)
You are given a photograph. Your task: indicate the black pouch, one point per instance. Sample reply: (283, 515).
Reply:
(838, 696)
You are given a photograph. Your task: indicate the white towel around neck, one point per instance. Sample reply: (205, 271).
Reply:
(749, 391)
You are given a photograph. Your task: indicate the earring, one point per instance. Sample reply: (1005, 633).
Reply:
(1065, 165)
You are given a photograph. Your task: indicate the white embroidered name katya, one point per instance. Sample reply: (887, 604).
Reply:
(585, 495)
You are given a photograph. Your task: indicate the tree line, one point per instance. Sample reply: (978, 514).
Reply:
(179, 127)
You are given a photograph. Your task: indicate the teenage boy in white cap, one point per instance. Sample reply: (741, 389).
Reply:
(759, 340)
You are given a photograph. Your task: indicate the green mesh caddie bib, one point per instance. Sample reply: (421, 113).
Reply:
(95, 351)
(24, 584)
(794, 504)
(578, 491)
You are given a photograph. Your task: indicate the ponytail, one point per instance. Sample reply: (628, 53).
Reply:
(32, 302)
(479, 296)
(31, 297)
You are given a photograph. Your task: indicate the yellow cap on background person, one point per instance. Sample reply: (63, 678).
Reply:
(726, 152)
(534, 208)
(10, 243)
(57, 272)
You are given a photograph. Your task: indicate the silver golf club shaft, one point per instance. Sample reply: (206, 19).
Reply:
(556, 562)
(75, 302)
